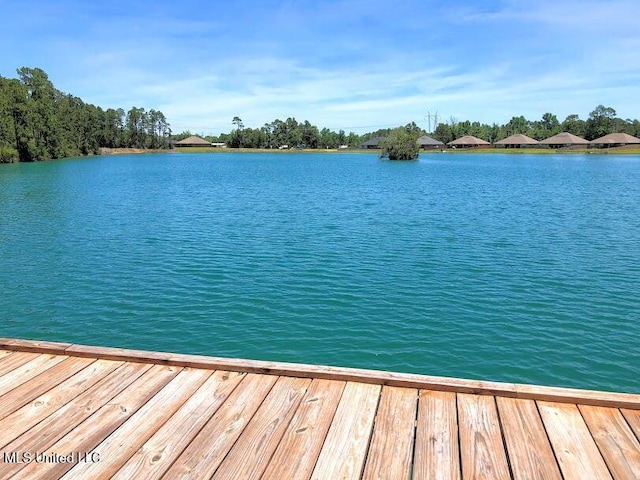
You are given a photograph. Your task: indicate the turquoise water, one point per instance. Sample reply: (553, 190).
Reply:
(501, 267)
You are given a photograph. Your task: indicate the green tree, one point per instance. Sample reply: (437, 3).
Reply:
(600, 122)
(400, 145)
(574, 125)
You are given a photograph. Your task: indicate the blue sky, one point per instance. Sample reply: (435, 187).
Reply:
(351, 64)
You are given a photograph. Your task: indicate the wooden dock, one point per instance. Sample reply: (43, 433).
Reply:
(79, 412)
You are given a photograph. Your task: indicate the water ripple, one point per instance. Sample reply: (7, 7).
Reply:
(520, 271)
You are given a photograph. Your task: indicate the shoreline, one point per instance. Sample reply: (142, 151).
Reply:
(624, 150)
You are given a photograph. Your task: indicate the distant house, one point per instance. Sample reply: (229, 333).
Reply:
(193, 141)
(517, 141)
(373, 143)
(616, 140)
(425, 142)
(564, 139)
(469, 141)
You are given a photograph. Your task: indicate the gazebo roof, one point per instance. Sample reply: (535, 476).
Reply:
(193, 140)
(468, 140)
(518, 139)
(616, 138)
(564, 138)
(426, 140)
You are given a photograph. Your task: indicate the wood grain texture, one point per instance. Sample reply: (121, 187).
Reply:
(298, 450)
(28, 391)
(47, 404)
(10, 362)
(66, 418)
(29, 370)
(482, 450)
(159, 452)
(437, 452)
(576, 396)
(575, 449)
(616, 441)
(529, 450)
(344, 452)
(88, 434)
(115, 450)
(633, 419)
(551, 394)
(249, 456)
(207, 450)
(391, 451)
(35, 346)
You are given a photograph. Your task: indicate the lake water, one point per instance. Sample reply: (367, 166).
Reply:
(513, 268)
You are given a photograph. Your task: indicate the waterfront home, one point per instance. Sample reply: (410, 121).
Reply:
(469, 141)
(194, 141)
(373, 143)
(517, 141)
(616, 140)
(425, 142)
(564, 139)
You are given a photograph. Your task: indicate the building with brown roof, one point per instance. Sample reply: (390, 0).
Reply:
(193, 141)
(616, 140)
(517, 141)
(564, 139)
(425, 142)
(469, 141)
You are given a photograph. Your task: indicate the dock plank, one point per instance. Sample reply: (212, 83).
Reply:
(298, 450)
(164, 415)
(115, 450)
(633, 419)
(391, 450)
(574, 447)
(39, 409)
(10, 362)
(67, 417)
(88, 434)
(345, 448)
(34, 346)
(28, 391)
(5, 353)
(482, 450)
(437, 452)
(154, 457)
(26, 372)
(249, 456)
(207, 450)
(615, 439)
(528, 447)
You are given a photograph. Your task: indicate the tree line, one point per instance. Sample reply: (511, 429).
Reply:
(39, 122)
(601, 121)
(278, 133)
